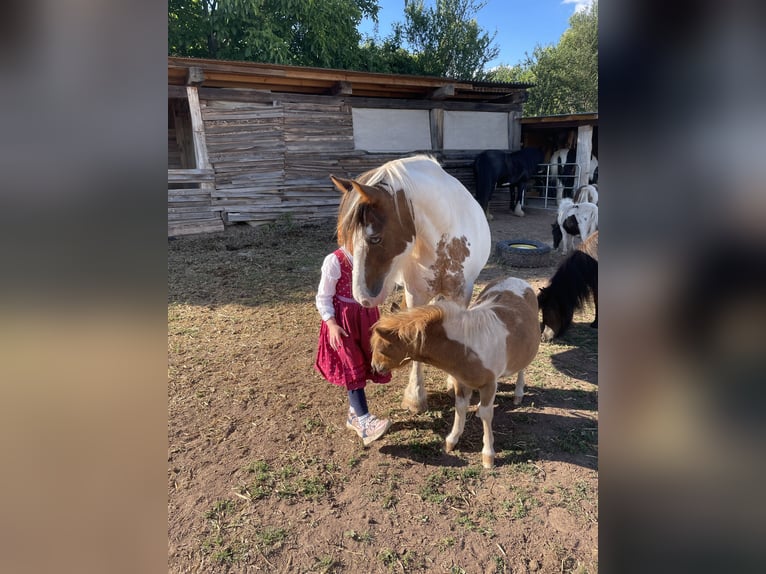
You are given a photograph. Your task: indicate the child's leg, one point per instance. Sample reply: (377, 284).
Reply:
(358, 401)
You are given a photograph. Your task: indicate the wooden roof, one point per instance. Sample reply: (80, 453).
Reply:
(294, 79)
(561, 120)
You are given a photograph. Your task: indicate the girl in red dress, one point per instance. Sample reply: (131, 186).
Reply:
(343, 354)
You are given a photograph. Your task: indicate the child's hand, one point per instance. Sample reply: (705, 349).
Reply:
(336, 332)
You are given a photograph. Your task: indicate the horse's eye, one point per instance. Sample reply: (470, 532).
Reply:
(374, 240)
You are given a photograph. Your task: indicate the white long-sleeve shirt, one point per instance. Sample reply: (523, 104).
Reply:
(326, 290)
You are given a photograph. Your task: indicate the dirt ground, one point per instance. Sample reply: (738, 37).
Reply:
(263, 476)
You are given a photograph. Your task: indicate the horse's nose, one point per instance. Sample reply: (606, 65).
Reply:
(366, 303)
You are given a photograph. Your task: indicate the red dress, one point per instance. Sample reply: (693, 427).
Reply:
(349, 366)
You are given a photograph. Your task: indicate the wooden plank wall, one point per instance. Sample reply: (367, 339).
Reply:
(272, 155)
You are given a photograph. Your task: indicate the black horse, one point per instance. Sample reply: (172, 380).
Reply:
(575, 280)
(514, 168)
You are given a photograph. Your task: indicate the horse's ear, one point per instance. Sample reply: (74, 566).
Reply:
(344, 185)
(364, 192)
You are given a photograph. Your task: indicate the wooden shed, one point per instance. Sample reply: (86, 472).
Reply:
(252, 142)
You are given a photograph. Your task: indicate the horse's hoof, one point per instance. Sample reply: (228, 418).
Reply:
(487, 460)
(414, 407)
(517, 401)
(450, 446)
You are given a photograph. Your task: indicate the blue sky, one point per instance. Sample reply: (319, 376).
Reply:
(520, 24)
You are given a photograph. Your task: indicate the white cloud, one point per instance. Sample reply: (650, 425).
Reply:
(580, 5)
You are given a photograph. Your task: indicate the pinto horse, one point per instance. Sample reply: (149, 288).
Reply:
(562, 171)
(411, 223)
(514, 168)
(497, 335)
(573, 219)
(574, 281)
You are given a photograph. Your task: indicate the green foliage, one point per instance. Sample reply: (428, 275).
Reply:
(446, 39)
(320, 33)
(565, 75)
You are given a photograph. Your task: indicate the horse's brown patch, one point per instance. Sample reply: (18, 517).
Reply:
(449, 279)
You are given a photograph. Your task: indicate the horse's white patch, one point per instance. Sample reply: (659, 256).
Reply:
(481, 330)
(513, 284)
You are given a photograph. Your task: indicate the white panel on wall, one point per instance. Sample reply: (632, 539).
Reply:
(391, 130)
(475, 130)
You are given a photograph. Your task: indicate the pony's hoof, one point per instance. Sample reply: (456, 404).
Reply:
(414, 406)
(517, 401)
(487, 460)
(450, 446)
(518, 212)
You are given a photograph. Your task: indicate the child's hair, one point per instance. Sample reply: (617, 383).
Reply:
(347, 214)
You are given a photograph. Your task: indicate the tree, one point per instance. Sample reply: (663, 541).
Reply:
(446, 40)
(320, 33)
(565, 75)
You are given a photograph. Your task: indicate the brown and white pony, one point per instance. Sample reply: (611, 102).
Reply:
(413, 224)
(497, 335)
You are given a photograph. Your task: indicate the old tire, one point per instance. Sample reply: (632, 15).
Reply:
(523, 253)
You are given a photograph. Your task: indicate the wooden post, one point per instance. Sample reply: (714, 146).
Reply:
(198, 129)
(436, 116)
(514, 131)
(584, 148)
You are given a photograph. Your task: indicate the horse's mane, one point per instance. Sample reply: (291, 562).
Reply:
(410, 325)
(391, 176)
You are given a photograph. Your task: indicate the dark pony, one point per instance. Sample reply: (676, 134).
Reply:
(492, 167)
(575, 280)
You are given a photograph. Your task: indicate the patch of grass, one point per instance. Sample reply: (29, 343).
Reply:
(454, 569)
(426, 448)
(572, 499)
(270, 537)
(521, 504)
(219, 510)
(578, 441)
(312, 424)
(473, 526)
(445, 543)
(365, 537)
(388, 557)
(325, 564)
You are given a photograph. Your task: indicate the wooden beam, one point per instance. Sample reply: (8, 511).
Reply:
(436, 117)
(514, 131)
(442, 93)
(341, 89)
(198, 129)
(584, 147)
(195, 76)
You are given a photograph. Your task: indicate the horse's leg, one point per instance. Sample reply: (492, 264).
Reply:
(414, 399)
(486, 412)
(559, 191)
(518, 392)
(595, 302)
(462, 398)
(516, 200)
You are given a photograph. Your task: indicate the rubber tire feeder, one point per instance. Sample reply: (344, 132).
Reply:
(523, 253)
